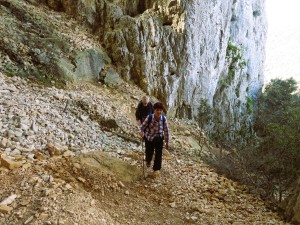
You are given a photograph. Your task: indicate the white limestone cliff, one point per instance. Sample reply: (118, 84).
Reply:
(181, 50)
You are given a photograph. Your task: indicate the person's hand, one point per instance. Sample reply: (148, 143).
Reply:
(142, 134)
(167, 146)
(139, 122)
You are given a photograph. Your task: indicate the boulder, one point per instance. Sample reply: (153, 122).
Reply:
(86, 65)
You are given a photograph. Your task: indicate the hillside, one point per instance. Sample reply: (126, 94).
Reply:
(72, 155)
(96, 178)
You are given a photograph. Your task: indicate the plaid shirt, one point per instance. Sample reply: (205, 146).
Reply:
(155, 128)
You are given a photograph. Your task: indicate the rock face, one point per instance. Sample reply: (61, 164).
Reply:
(36, 43)
(181, 51)
(87, 65)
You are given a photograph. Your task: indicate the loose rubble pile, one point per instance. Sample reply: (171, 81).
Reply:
(31, 118)
(51, 171)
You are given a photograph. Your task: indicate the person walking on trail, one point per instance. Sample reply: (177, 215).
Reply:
(155, 131)
(143, 109)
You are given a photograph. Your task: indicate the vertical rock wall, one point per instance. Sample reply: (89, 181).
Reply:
(240, 82)
(178, 50)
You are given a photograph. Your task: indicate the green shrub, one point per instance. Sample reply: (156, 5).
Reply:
(236, 62)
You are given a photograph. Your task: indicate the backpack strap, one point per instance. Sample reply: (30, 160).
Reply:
(150, 116)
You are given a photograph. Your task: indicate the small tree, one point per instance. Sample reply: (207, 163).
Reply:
(204, 119)
(274, 103)
(279, 125)
(204, 113)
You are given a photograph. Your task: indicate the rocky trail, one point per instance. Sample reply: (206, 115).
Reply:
(72, 156)
(81, 163)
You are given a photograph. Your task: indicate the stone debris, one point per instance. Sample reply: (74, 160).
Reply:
(46, 134)
(60, 175)
(10, 163)
(8, 200)
(5, 209)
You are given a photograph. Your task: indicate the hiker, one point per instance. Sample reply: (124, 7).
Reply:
(143, 109)
(155, 130)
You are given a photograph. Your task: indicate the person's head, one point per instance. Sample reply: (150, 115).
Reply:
(145, 100)
(158, 108)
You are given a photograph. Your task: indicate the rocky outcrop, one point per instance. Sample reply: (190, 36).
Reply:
(86, 65)
(184, 51)
(37, 44)
(179, 51)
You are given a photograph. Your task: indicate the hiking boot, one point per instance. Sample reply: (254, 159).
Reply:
(156, 173)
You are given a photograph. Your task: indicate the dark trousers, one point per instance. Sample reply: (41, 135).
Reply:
(157, 146)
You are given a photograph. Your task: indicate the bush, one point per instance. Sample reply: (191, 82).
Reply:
(268, 162)
(278, 124)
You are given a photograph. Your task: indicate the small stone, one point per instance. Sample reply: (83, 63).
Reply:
(172, 204)
(3, 143)
(81, 179)
(28, 220)
(68, 154)
(10, 164)
(68, 186)
(5, 209)
(120, 184)
(24, 202)
(77, 165)
(43, 216)
(39, 155)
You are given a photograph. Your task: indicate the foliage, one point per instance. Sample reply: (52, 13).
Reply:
(204, 118)
(225, 134)
(277, 102)
(234, 56)
(236, 62)
(36, 75)
(268, 158)
(204, 113)
(278, 124)
(249, 105)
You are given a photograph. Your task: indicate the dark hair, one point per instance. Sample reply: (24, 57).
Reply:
(159, 105)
